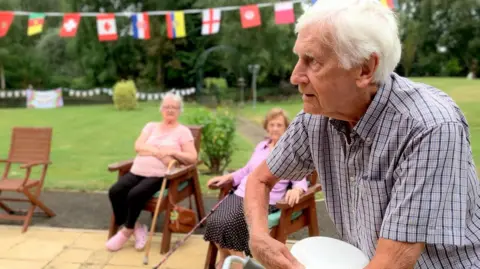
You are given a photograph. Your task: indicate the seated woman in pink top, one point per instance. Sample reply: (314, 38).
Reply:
(226, 227)
(157, 145)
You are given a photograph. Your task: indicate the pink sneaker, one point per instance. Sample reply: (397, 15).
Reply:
(117, 241)
(140, 234)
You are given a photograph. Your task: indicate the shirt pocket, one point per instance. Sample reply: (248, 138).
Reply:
(374, 192)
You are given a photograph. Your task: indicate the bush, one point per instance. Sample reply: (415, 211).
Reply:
(216, 89)
(125, 95)
(218, 134)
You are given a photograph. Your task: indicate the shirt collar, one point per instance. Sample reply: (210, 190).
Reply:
(368, 123)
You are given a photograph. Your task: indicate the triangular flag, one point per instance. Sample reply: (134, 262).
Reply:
(284, 13)
(250, 16)
(6, 19)
(175, 24)
(106, 27)
(35, 23)
(70, 24)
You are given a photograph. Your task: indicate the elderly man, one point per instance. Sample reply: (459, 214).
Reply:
(393, 155)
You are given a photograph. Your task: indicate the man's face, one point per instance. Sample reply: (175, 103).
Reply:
(326, 88)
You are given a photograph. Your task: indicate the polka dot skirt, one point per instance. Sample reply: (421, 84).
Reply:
(227, 226)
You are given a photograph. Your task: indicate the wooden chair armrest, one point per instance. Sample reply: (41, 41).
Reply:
(31, 164)
(309, 194)
(120, 165)
(3, 160)
(180, 171)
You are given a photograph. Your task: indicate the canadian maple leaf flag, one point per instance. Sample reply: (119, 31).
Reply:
(250, 16)
(211, 21)
(284, 13)
(70, 24)
(106, 27)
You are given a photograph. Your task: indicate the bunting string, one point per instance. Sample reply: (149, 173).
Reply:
(99, 91)
(151, 13)
(140, 24)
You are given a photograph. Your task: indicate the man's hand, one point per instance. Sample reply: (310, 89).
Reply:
(271, 253)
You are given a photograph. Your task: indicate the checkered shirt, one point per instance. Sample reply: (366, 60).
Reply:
(405, 173)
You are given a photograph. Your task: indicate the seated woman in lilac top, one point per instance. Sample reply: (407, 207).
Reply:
(234, 239)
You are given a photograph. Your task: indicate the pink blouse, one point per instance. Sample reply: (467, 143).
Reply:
(279, 190)
(150, 166)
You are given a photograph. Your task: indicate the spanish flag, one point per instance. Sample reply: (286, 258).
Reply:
(35, 23)
(175, 24)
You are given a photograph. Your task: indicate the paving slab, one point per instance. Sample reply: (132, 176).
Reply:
(82, 210)
(47, 248)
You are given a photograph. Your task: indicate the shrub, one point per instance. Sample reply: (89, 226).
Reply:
(216, 88)
(125, 95)
(218, 135)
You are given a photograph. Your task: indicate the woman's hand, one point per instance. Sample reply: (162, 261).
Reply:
(218, 182)
(293, 196)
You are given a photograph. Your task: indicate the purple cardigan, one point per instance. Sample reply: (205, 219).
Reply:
(279, 190)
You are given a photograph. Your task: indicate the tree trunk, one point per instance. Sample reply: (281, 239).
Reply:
(2, 77)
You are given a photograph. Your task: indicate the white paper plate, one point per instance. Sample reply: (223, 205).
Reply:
(325, 252)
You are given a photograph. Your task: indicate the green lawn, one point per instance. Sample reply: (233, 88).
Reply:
(465, 92)
(88, 138)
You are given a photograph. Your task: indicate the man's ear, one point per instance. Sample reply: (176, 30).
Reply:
(367, 70)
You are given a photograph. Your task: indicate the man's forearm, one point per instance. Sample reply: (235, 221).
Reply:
(256, 205)
(395, 255)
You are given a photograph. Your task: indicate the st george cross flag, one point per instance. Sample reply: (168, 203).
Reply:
(284, 13)
(250, 16)
(106, 27)
(141, 26)
(70, 24)
(211, 21)
(6, 19)
(175, 24)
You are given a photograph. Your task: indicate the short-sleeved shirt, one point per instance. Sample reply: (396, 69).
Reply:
(404, 172)
(150, 166)
(259, 155)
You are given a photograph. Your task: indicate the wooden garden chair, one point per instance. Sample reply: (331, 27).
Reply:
(29, 147)
(183, 183)
(285, 221)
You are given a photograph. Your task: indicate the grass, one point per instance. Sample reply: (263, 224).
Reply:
(466, 94)
(88, 138)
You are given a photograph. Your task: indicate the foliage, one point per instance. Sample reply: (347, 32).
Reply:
(49, 61)
(218, 134)
(217, 88)
(125, 95)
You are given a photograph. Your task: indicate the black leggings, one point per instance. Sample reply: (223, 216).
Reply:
(129, 195)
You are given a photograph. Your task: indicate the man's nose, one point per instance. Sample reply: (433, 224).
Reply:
(298, 75)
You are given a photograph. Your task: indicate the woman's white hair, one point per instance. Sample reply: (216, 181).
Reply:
(359, 28)
(175, 97)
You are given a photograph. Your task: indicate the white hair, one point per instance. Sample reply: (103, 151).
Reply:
(359, 28)
(175, 97)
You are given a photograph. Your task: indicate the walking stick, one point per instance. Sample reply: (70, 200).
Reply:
(180, 242)
(155, 214)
